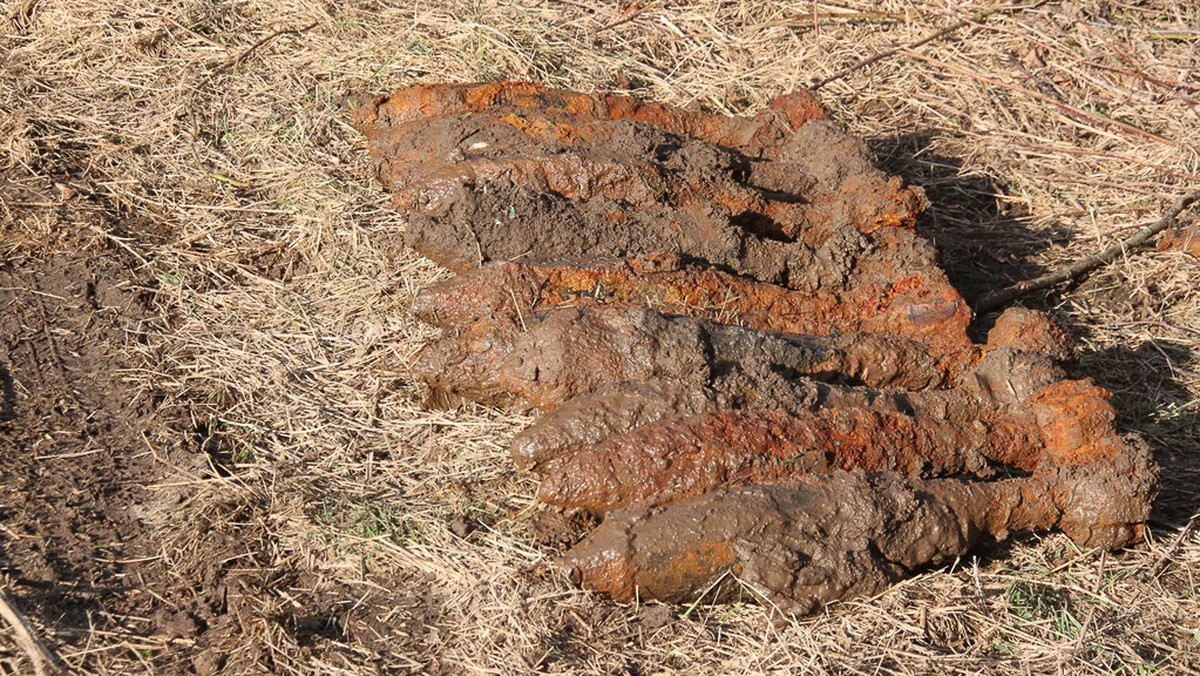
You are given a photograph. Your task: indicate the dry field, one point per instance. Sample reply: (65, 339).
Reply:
(213, 458)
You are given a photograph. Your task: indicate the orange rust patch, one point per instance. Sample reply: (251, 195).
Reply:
(937, 317)
(675, 576)
(1077, 422)
(1030, 330)
(679, 458)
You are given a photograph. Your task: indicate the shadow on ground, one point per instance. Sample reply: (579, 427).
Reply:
(984, 244)
(1151, 401)
(8, 396)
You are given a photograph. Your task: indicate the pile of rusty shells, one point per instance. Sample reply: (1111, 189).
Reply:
(748, 365)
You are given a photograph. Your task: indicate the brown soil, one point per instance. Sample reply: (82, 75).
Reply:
(103, 533)
(78, 447)
(717, 378)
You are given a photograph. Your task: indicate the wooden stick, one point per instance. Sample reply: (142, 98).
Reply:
(1165, 557)
(1080, 268)
(39, 653)
(913, 45)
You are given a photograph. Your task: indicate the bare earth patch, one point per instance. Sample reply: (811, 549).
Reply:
(213, 449)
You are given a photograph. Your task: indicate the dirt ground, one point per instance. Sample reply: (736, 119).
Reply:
(213, 454)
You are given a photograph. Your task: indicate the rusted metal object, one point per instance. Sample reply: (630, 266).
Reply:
(746, 361)
(1030, 330)
(515, 171)
(546, 360)
(678, 458)
(802, 544)
(912, 307)
(616, 409)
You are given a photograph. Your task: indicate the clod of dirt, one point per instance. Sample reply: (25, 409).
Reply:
(656, 616)
(747, 362)
(556, 528)
(1032, 331)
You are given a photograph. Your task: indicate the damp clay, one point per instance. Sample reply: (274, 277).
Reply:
(744, 361)
(802, 544)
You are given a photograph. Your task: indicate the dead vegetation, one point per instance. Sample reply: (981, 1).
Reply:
(298, 511)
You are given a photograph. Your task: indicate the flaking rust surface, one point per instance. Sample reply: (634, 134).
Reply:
(678, 458)
(914, 306)
(744, 359)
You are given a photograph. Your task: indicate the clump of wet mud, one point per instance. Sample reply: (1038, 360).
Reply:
(747, 363)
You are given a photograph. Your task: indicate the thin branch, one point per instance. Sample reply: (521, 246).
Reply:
(1080, 268)
(1165, 557)
(913, 45)
(254, 47)
(39, 653)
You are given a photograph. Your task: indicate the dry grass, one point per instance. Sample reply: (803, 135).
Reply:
(285, 336)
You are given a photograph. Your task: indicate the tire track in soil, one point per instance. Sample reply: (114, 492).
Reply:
(84, 521)
(75, 465)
